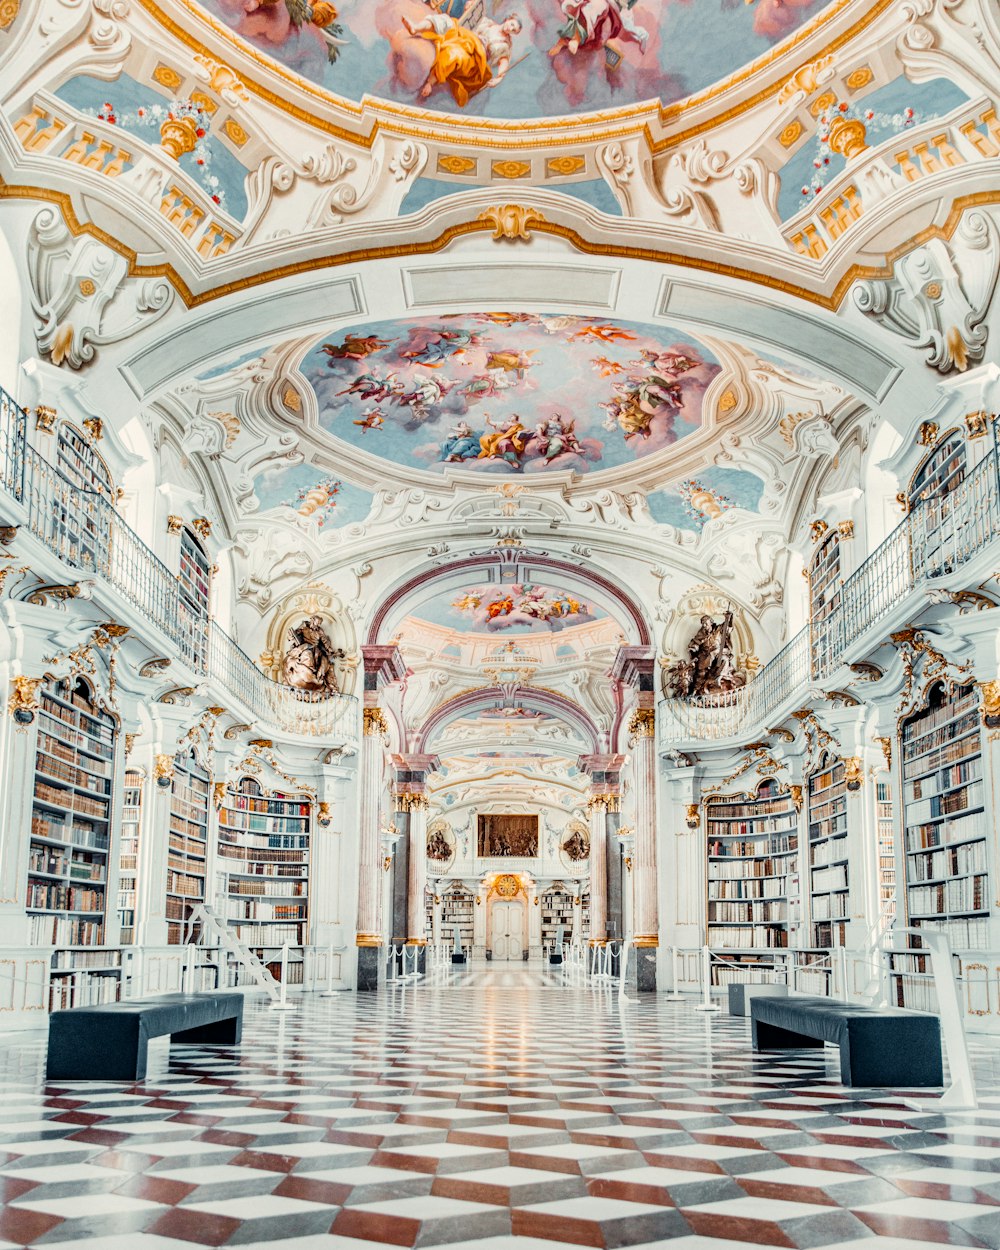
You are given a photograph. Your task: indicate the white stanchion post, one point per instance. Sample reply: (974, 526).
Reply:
(675, 996)
(706, 1003)
(961, 1093)
(329, 992)
(845, 992)
(282, 1003)
(189, 969)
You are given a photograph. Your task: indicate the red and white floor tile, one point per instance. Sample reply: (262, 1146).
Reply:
(498, 1110)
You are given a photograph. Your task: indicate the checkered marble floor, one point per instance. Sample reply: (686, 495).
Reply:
(495, 1109)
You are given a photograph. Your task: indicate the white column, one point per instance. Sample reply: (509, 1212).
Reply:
(533, 892)
(479, 917)
(597, 808)
(370, 882)
(646, 922)
(416, 907)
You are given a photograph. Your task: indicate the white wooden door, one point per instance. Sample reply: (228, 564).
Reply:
(507, 940)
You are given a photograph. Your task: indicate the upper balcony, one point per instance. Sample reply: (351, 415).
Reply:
(937, 538)
(84, 531)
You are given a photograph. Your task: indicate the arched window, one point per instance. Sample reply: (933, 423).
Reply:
(941, 472)
(195, 579)
(83, 492)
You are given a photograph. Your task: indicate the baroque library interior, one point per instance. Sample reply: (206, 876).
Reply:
(499, 624)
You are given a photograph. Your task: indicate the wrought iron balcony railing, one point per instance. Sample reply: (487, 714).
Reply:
(938, 536)
(85, 531)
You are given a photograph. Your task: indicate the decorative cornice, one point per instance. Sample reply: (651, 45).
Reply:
(426, 247)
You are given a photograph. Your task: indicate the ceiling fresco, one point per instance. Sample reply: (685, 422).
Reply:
(316, 496)
(505, 393)
(514, 58)
(691, 504)
(514, 608)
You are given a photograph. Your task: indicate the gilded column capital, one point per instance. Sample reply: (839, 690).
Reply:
(643, 723)
(375, 724)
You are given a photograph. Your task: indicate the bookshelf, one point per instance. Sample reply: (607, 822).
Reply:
(753, 863)
(195, 581)
(68, 854)
(829, 873)
(263, 852)
(128, 858)
(458, 908)
(944, 822)
(81, 521)
(187, 859)
(557, 912)
(886, 834)
(941, 473)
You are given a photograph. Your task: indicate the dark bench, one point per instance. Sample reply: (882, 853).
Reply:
(109, 1042)
(878, 1045)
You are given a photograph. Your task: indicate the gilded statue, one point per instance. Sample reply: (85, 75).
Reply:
(309, 662)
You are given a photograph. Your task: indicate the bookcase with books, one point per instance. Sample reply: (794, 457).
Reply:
(69, 848)
(82, 518)
(829, 872)
(557, 913)
(187, 860)
(195, 581)
(458, 909)
(944, 821)
(263, 849)
(753, 865)
(128, 858)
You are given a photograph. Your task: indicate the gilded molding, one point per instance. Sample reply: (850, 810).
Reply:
(853, 772)
(411, 802)
(45, 419)
(23, 701)
(174, 523)
(692, 815)
(886, 745)
(990, 708)
(163, 769)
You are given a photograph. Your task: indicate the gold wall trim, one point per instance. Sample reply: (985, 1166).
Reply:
(510, 134)
(459, 230)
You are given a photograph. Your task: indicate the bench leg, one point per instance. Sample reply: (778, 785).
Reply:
(218, 1033)
(770, 1037)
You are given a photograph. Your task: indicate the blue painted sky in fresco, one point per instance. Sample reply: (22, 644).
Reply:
(741, 489)
(928, 100)
(127, 96)
(309, 491)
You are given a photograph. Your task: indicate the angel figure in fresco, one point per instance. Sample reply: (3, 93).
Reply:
(554, 436)
(371, 386)
(271, 18)
(422, 394)
(440, 350)
(607, 368)
(355, 347)
(603, 333)
(671, 363)
(593, 23)
(488, 385)
(460, 443)
(309, 661)
(507, 442)
(465, 60)
(371, 419)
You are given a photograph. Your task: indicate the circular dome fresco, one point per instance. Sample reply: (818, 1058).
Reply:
(509, 393)
(514, 58)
